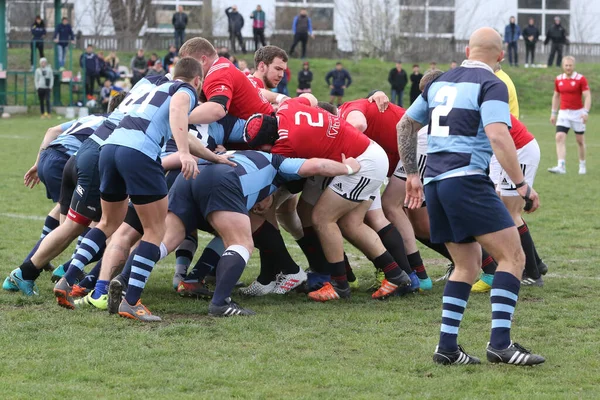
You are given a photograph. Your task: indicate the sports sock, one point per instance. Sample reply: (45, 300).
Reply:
(90, 279)
(488, 264)
(561, 163)
(386, 263)
(338, 274)
(185, 253)
(538, 260)
(271, 239)
(100, 289)
(454, 302)
(207, 261)
(29, 272)
(531, 267)
(349, 272)
(90, 246)
(126, 272)
(79, 239)
(416, 263)
(504, 295)
(439, 248)
(50, 224)
(393, 243)
(311, 247)
(144, 259)
(263, 237)
(229, 270)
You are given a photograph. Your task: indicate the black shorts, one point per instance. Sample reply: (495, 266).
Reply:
(338, 92)
(86, 196)
(216, 188)
(68, 184)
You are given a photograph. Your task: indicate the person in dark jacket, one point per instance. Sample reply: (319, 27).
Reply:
(258, 26)
(558, 35)
(398, 79)
(90, 62)
(338, 79)
(38, 33)
(168, 60)
(302, 29)
(63, 35)
(511, 38)
(139, 66)
(179, 20)
(305, 77)
(236, 23)
(531, 34)
(415, 79)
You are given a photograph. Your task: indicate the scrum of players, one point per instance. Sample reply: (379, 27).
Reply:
(211, 149)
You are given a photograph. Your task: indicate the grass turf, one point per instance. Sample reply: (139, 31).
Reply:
(295, 348)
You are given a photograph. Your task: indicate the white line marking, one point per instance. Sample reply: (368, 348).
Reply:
(22, 216)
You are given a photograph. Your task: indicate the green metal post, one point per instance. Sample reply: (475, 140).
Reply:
(3, 51)
(57, 73)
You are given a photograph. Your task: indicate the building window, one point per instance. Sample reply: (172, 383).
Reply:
(427, 18)
(320, 12)
(543, 13)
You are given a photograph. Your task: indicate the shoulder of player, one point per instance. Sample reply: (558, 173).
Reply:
(222, 63)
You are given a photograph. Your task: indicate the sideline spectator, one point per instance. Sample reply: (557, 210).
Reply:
(558, 35)
(63, 34)
(91, 63)
(258, 26)
(179, 20)
(139, 66)
(338, 79)
(282, 86)
(432, 66)
(398, 79)
(105, 94)
(453, 65)
(511, 38)
(44, 81)
(531, 34)
(38, 32)
(236, 23)
(243, 66)
(152, 60)
(157, 69)
(305, 77)
(172, 67)
(112, 62)
(415, 79)
(168, 60)
(302, 28)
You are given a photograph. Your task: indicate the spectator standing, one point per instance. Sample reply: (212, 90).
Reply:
(511, 38)
(338, 80)
(282, 86)
(139, 66)
(302, 29)
(258, 26)
(558, 35)
(243, 66)
(105, 94)
(168, 60)
(179, 20)
(157, 69)
(44, 81)
(172, 67)
(152, 60)
(38, 33)
(236, 23)
(453, 65)
(63, 35)
(432, 66)
(91, 63)
(398, 80)
(415, 79)
(531, 34)
(305, 77)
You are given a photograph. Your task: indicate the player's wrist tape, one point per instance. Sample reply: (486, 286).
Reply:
(586, 111)
(518, 185)
(280, 97)
(350, 170)
(554, 112)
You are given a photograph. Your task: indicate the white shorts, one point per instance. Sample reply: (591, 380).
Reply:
(571, 119)
(399, 172)
(376, 204)
(281, 196)
(529, 158)
(364, 185)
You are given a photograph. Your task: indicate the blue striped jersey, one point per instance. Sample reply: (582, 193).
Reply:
(78, 130)
(139, 90)
(146, 126)
(228, 129)
(262, 173)
(457, 106)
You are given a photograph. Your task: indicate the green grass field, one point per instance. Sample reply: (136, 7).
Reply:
(294, 348)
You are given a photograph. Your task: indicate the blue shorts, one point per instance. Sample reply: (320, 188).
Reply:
(216, 188)
(464, 207)
(339, 92)
(128, 172)
(50, 170)
(86, 196)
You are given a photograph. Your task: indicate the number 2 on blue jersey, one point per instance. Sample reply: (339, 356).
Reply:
(445, 95)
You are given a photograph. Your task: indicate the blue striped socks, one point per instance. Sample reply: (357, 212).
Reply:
(454, 302)
(89, 247)
(144, 258)
(50, 224)
(504, 295)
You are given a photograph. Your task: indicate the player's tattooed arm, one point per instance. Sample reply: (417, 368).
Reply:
(407, 130)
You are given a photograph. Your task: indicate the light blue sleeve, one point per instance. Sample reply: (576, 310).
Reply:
(67, 125)
(237, 132)
(290, 167)
(493, 111)
(193, 98)
(419, 111)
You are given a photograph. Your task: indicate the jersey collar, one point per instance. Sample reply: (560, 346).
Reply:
(476, 64)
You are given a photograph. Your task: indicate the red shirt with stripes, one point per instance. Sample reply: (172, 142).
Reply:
(570, 90)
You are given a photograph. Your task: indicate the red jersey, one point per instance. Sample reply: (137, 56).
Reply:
(381, 127)
(307, 132)
(570, 90)
(520, 135)
(258, 83)
(243, 99)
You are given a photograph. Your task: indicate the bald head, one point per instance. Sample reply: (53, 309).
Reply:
(485, 45)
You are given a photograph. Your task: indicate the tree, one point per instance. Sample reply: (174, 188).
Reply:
(129, 16)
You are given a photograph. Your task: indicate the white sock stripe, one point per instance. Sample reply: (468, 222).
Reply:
(91, 244)
(503, 293)
(144, 260)
(500, 307)
(140, 271)
(452, 315)
(136, 282)
(241, 250)
(164, 252)
(85, 253)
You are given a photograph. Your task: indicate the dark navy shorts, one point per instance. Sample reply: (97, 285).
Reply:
(68, 184)
(50, 171)
(125, 171)
(339, 92)
(86, 196)
(216, 188)
(464, 207)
